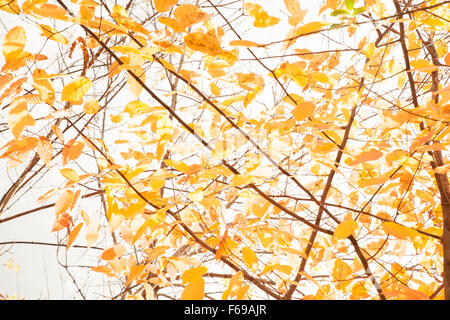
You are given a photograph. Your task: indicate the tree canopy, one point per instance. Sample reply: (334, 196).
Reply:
(232, 149)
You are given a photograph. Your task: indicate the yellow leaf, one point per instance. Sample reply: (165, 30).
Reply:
(399, 231)
(345, 229)
(367, 156)
(372, 181)
(323, 77)
(306, 29)
(215, 90)
(14, 43)
(164, 5)
(250, 258)
(196, 196)
(204, 42)
(133, 84)
(244, 43)
(241, 180)
(136, 107)
(178, 165)
(149, 223)
(297, 14)
(194, 274)
(262, 19)
(53, 34)
(44, 86)
(423, 65)
(9, 6)
(135, 272)
(194, 290)
(188, 15)
(168, 65)
(49, 10)
(303, 110)
(174, 24)
(69, 174)
(267, 268)
(341, 270)
(19, 117)
(73, 235)
(283, 268)
(91, 106)
(76, 89)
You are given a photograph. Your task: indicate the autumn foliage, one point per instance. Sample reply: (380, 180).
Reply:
(234, 149)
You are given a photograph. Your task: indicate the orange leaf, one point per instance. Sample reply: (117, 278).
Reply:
(345, 229)
(49, 10)
(405, 293)
(297, 14)
(19, 117)
(69, 174)
(423, 65)
(43, 86)
(188, 15)
(303, 110)
(164, 5)
(91, 106)
(53, 34)
(244, 43)
(135, 272)
(136, 107)
(64, 202)
(204, 42)
(447, 59)
(133, 84)
(341, 270)
(367, 156)
(71, 151)
(4, 79)
(73, 235)
(62, 221)
(58, 133)
(399, 231)
(193, 274)
(76, 89)
(222, 245)
(174, 24)
(116, 250)
(215, 90)
(44, 150)
(262, 19)
(194, 290)
(250, 258)
(14, 43)
(103, 269)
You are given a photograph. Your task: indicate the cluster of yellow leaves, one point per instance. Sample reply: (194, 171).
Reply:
(126, 208)
(262, 19)
(185, 15)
